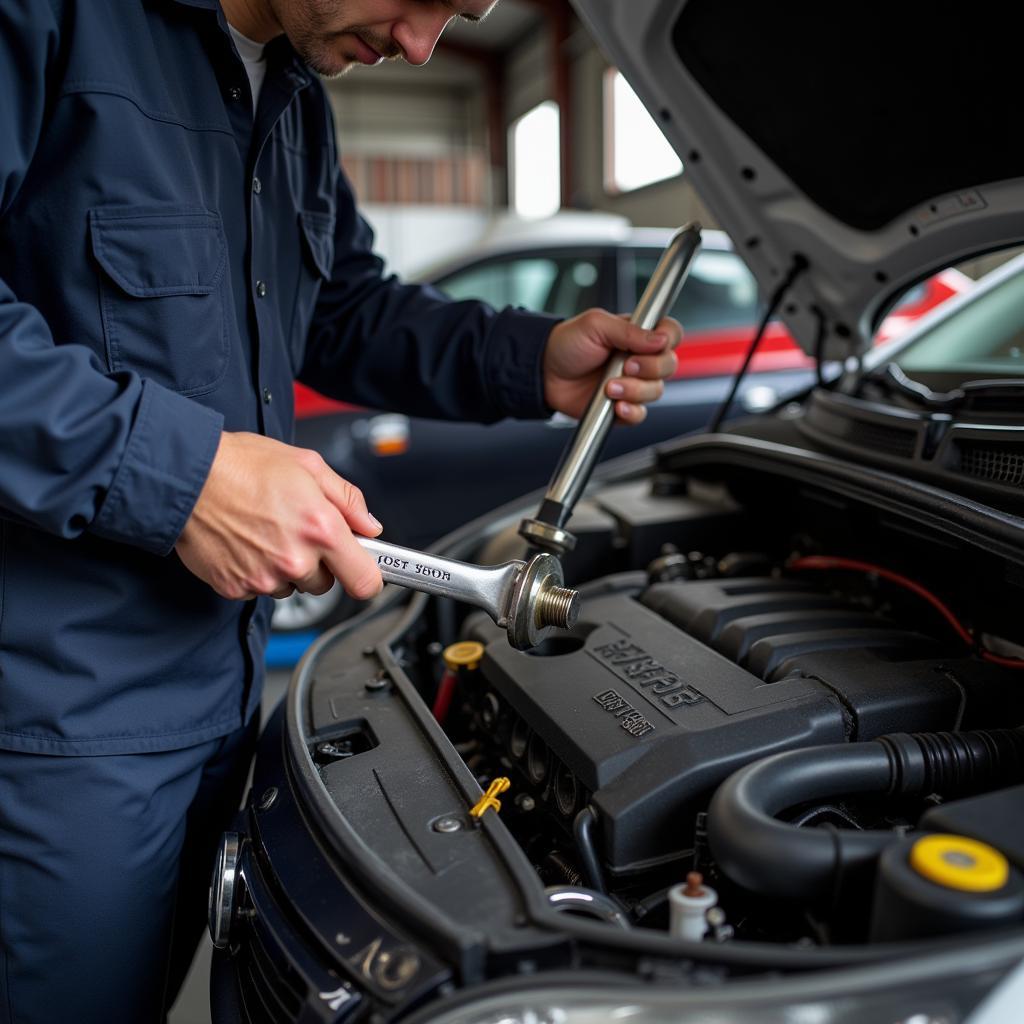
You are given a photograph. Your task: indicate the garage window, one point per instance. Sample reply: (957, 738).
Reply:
(636, 151)
(536, 166)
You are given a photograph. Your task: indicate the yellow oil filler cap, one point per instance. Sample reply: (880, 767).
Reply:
(468, 654)
(957, 862)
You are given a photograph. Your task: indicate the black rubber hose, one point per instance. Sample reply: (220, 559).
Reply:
(583, 830)
(761, 853)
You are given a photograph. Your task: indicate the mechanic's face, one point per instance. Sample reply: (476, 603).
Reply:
(333, 35)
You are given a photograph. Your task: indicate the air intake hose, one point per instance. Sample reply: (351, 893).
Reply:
(761, 853)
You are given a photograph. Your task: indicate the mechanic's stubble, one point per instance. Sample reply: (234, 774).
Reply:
(332, 36)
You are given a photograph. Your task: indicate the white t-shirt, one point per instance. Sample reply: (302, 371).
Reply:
(255, 63)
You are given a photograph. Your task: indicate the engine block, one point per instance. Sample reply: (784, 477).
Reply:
(663, 691)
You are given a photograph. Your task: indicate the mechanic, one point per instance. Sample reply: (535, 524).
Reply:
(179, 244)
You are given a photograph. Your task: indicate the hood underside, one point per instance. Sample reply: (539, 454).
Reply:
(878, 142)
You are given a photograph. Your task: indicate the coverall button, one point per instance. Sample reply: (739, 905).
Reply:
(268, 396)
(261, 289)
(235, 93)
(257, 186)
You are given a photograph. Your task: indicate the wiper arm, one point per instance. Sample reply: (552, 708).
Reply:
(973, 394)
(893, 377)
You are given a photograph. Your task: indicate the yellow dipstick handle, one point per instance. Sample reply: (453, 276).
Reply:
(490, 798)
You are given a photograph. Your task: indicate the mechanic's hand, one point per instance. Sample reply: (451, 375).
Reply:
(272, 518)
(578, 350)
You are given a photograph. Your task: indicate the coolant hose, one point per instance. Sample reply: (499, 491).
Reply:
(583, 830)
(575, 898)
(756, 850)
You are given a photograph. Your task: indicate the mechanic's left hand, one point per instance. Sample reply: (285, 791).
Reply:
(578, 350)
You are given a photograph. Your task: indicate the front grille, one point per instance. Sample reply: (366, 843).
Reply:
(272, 993)
(865, 434)
(1001, 464)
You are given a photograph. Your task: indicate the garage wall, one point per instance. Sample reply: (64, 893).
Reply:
(416, 154)
(414, 142)
(528, 75)
(665, 204)
(389, 117)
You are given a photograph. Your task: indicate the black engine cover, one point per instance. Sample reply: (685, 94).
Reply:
(660, 695)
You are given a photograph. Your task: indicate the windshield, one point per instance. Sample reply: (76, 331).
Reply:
(983, 339)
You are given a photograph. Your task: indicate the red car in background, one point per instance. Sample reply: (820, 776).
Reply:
(423, 478)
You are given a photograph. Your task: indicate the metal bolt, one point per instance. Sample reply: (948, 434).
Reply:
(447, 825)
(525, 802)
(558, 607)
(377, 683)
(337, 751)
(268, 799)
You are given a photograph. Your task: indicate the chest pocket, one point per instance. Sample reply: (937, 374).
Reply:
(162, 293)
(316, 231)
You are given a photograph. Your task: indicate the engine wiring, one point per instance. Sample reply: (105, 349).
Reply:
(827, 562)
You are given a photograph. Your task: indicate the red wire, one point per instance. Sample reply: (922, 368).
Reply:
(833, 562)
(998, 659)
(445, 692)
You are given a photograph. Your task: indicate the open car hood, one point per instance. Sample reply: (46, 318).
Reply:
(878, 142)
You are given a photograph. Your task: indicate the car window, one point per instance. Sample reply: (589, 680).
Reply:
(563, 285)
(719, 293)
(983, 338)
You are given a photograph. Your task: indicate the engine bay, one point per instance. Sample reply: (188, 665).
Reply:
(780, 685)
(761, 640)
(713, 674)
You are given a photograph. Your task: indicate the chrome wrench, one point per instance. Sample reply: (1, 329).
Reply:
(528, 598)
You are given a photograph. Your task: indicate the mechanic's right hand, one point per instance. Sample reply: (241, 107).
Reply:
(272, 518)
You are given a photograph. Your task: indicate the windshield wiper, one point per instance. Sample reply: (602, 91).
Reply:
(975, 395)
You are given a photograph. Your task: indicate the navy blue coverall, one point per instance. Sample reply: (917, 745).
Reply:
(168, 265)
